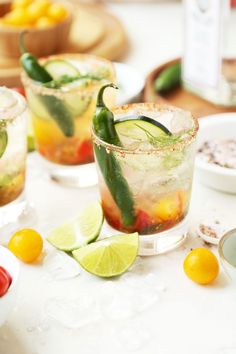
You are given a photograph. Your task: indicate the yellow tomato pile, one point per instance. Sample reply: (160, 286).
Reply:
(34, 14)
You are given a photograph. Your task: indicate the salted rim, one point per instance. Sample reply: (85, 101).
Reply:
(59, 92)
(16, 112)
(145, 107)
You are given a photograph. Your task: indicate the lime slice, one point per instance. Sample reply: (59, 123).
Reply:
(109, 257)
(79, 232)
(3, 141)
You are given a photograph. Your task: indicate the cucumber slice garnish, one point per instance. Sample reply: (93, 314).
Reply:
(59, 68)
(138, 128)
(3, 141)
(78, 105)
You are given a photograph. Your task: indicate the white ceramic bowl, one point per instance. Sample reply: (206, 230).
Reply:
(217, 126)
(227, 252)
(130, 83)
(7, 301)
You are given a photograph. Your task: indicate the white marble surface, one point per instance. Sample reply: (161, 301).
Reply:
(154, 308)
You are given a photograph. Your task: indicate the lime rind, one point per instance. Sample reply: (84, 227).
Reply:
(109, 257)
(78, 232)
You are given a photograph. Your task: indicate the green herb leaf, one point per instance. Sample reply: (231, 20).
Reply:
(163, 140)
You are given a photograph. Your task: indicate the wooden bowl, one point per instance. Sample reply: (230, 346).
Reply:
(180, 97)
(38, 41)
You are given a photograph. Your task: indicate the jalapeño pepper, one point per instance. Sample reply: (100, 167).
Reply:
(104, 128)
(54, 106)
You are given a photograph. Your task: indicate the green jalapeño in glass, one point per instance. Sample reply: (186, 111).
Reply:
(145, 157)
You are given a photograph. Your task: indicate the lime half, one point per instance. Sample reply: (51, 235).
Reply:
(79, 232)
(109, 257)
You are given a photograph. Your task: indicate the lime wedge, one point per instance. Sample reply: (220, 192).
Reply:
(79, 232)
(109, 257)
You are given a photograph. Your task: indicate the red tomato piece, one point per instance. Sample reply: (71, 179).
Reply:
(85, 151)
(143, 221)
(4, 282)
(19, 89)
(8, 274)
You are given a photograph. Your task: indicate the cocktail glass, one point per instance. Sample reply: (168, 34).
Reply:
(12, 155)
(62, 116)
(159, 177)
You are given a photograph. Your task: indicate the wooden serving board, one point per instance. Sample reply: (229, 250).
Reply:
(94, 31)
(179, 97)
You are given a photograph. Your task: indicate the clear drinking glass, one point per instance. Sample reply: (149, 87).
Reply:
(159, 178)
(12, 154)
(61, 118)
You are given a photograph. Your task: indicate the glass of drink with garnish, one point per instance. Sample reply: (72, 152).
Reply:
(145, 159)
(12, 155)
(62, 108)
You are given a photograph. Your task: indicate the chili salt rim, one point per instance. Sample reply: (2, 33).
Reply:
(148, 106)
(38, 88)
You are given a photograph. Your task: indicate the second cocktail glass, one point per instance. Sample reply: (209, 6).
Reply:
(12, 155)
(145, 185)
(61, 116)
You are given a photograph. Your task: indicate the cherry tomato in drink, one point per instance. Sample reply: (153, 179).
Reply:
(7, 273)
(85, 151)
(20, 90)
(143, 221)
(26, 244)
(4, 282)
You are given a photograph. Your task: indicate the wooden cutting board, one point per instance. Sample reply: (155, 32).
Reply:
(179, 97)
(94, 31)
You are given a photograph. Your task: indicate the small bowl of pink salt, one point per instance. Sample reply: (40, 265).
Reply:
(216, 152)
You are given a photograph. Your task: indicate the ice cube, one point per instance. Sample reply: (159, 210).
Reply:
(73, 313)
(60, 266)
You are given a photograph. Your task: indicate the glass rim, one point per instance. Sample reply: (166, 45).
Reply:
(21, 101)
(40, 89)
(226, 235)
(150, 107)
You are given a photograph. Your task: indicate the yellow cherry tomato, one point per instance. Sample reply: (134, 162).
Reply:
(57, 12)
(37, 9)
(169, 207)
(44, 22)
(201, 266)
(20, 3)
(26, 244)
(16, 17)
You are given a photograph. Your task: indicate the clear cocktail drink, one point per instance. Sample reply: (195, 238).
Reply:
(153, 173)
(12, 147)
(62, 110)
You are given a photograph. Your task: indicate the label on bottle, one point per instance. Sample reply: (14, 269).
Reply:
(203, 38)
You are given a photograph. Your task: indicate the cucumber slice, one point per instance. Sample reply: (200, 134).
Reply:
(59, 67)
(136, 129)
(77, 105)
(3, 141)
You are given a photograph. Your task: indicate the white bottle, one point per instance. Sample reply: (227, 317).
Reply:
(209, 62)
